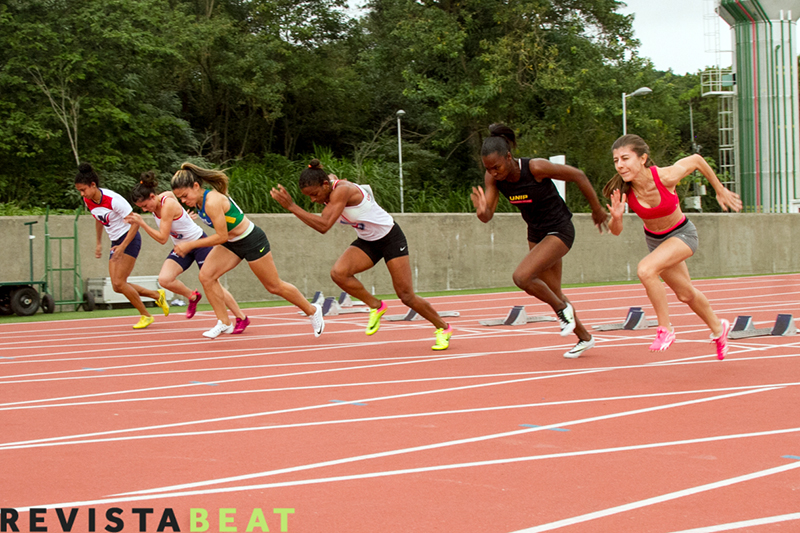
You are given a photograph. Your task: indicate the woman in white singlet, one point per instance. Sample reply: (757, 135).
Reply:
(174, 222)
(379, 237)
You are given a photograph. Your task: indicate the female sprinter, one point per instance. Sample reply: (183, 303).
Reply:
(378, 237)
(239, 239)
(109, 210)
(527, 183)
(670, 236)
(174, 222)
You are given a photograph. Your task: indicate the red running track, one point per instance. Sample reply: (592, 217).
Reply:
(349, 433)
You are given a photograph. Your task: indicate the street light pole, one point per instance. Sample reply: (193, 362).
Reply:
(638, 92)
(624, 115)
(400, 113)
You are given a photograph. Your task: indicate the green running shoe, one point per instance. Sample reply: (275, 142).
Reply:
(375, 318)
(443, 338)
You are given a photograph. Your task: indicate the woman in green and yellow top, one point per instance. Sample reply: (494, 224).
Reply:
(239, 239)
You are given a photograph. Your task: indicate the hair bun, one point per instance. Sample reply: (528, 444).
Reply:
(85, 168)
(315, 163)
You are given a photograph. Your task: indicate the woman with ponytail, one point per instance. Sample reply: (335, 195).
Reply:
(379, 237)
(527, 183)
(109, 210)
(174, 222)
(670, 236)
(236, 238)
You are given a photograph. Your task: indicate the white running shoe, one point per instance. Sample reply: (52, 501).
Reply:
(317, 321)
(566, 317)
(579, 348)
(220, 328)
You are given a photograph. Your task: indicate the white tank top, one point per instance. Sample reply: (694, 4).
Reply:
(183, 228)
(369, 219)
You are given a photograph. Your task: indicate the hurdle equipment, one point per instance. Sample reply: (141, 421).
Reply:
(634, 320)
(743, 327)
(412, 315)
(516, 317)
(331, 307)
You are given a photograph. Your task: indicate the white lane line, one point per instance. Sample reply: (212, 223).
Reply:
(744, 523)
(337, 421)
(289, 410)
(387, 473)
(457, 442)
(660, 499)
(46, 402)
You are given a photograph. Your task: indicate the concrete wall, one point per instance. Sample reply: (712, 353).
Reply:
(448, 251)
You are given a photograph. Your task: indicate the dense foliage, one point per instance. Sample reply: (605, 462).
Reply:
(260, 86)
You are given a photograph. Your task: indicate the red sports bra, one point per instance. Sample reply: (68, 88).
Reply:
(668, 205)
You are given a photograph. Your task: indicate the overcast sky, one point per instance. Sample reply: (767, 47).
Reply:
(672, 34)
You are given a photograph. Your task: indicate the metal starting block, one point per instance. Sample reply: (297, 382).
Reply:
(516, 317)
(634, 320)
(318, 298)
(331, 307)
(743, 327)
(412, 315)
(345, 301)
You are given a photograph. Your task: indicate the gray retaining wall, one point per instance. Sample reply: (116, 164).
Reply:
(448, 251)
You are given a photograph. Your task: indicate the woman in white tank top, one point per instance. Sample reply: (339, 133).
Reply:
(174, 222)
(378, 238)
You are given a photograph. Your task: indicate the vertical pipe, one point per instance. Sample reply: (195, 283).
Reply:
(400, 160)
(793, 89)
(624, 117)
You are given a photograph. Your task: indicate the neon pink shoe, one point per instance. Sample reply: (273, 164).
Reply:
(240, 325)
(192, 309)
(664, 339)
(722, 340)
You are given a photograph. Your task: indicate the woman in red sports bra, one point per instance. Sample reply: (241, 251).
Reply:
(670, 236)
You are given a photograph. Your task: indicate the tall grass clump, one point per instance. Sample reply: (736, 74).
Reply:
(251, 181)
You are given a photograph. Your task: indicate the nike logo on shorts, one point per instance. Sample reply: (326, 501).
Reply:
(261, 250)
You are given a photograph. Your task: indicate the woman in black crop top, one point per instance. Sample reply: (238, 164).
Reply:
(527, 183)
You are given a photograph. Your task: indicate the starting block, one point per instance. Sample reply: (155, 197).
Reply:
(412, 315)
(516, 317)
(634, 320)
(345, 301)
(318, 298)
(331, 307)
(743, 327)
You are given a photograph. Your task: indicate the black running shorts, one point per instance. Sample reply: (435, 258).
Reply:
(391, 245)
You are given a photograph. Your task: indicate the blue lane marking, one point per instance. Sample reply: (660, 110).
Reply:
(791, 457)
(95, 369)
(535, 426)
(351, 403)
(204, 383)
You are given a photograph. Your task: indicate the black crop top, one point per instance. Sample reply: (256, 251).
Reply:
(538, 201)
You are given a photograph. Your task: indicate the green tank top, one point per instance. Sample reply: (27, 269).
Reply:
(233, 216)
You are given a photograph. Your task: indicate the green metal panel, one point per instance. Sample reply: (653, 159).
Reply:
(767, 154)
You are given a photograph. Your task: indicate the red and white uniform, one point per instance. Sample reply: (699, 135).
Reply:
(183, 228)
(111, 212)
(370, 220)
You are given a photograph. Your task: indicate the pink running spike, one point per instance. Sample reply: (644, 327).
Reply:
(190, 311)
(722, 340)
(240, 325)
(664, 339)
